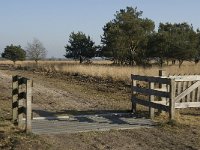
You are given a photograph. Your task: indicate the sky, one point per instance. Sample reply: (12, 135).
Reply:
(52, 21)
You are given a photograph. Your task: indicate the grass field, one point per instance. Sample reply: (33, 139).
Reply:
(105, 69)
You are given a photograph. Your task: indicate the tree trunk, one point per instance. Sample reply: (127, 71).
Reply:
(36, 61)
(196, 61)
(180, 63)
(81, 59)
(167, 62)
(161, 62)
(173, 62)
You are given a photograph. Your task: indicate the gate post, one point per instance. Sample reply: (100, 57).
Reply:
(161, 74)
(151, 99)
(134, 106)
(29, 85)
(21, 98)
(172, 100)
(21, 95)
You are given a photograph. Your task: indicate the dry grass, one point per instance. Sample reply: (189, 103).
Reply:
(104, 69)
(166, 136)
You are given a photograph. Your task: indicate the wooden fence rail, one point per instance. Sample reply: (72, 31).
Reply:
(165, 93)
(21, 101)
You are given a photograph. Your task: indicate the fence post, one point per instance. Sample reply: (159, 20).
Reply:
(151, 99)
(162, 73)
(21, 97)
(29, 85)
(15, 91)
(171, 100)
(134, 107)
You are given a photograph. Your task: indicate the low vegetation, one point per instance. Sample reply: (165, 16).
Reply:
(103, 69)
(103, 95)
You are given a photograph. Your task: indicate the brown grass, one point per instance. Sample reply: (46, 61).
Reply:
(104, 69)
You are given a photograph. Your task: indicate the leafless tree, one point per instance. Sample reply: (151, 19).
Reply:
(35, 50)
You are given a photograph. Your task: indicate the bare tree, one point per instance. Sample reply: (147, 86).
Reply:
(36, 50)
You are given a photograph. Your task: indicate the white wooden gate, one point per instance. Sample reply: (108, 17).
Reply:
(187, 91)
(172, 92)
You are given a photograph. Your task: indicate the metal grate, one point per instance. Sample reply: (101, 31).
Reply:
(88, 123)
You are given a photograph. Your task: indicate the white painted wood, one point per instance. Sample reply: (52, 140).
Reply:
(184, 88)
(193, 95)
(188, 97)
(187, 104)
(163, 89)
(198, 94)
(50, 118)
(186, 78)
(187, 91)
(162, 102)
(151, 99)
(178, 88)
(172, 100)
(28, 106)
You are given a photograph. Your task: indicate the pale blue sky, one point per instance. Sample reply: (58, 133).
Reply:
(52, 21)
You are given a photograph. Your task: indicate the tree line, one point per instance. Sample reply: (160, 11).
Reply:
(132, 40)
(128, 39)
(34, 51)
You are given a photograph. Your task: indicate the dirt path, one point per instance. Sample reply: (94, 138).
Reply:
(51, 95)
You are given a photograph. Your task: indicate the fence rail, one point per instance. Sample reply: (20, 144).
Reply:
(165, 93)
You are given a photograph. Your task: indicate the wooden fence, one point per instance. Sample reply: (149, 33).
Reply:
(187, 91)
(165, 93)
(21, 101)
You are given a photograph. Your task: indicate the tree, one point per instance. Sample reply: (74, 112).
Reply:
(182, 41)
(14, 53)
(36, 51)
(157, 47)
(159, 44)
(174, 41)
(126, 36)
(80, 47)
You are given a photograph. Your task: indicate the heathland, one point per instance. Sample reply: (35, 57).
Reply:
(63, 86)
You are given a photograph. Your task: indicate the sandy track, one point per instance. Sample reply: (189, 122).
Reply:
(56, 97)
(46, 98)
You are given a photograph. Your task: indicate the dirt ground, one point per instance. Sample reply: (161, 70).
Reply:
(58, 94)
